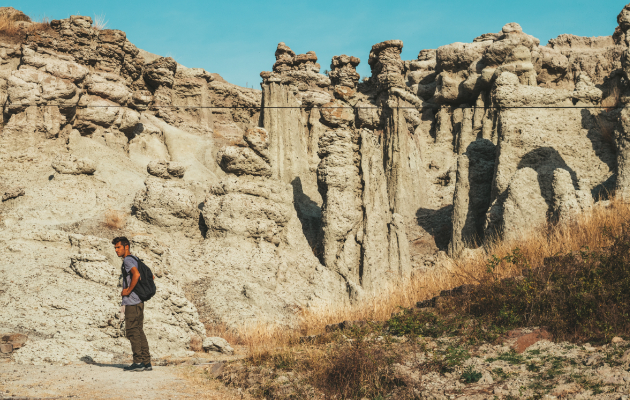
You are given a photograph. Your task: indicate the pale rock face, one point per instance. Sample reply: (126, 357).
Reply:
(108, 86)
(30, 87)
(368, 115)
(255, 209)
(60, 68)
(256, 261)
(95, 112)
(315, 98)
(71, 164)
(525, 208)
(166, 204)
(89, 329)
(337, 113)
(340, 184)
(258, 140)
(128, 120)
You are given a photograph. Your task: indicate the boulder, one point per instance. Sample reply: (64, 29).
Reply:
(565, 202)
(165, 169)
(72, 165)
(160, 72)
(242, 161)
(12, 192)
(166, 203)
(217, 344)
(525, 208)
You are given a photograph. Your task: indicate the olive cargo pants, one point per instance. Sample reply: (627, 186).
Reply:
(134, 318)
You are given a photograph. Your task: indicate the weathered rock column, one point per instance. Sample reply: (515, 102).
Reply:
(622, 141)
(340, 186)
(461, 216)
(293, 85)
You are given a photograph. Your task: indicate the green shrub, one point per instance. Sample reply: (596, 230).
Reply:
(470, 375)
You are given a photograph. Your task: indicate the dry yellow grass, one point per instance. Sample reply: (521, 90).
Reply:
(585, 231)
(114, 219)
(11, 26)
(203, 386)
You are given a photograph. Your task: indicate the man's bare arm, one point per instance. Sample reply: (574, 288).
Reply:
(135, 277)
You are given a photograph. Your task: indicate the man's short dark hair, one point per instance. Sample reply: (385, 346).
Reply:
(122, 240)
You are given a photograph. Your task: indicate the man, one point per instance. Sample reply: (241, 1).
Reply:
(133, 308)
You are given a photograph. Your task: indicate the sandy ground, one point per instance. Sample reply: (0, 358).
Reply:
(100, 381)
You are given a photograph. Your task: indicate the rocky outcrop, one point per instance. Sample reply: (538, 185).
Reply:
(166, 203)
(256, 264)
(525, 208)
(243, 160)
(165, 169)
(565, 203)
(71, 164)
(217, 344)
(581, 149)
(9, 193)
(343, 71)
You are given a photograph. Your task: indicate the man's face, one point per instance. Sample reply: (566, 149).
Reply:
(120, 249)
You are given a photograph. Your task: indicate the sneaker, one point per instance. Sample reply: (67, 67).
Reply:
(147, 367)
(135, 367)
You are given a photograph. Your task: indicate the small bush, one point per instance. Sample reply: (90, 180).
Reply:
(115, 220)
(361, 368)
(196, 343)
(471, 376)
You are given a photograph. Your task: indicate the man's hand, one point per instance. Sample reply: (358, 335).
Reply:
(135, 277)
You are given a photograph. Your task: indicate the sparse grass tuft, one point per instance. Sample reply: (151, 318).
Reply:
(99, 22)
(114, 219)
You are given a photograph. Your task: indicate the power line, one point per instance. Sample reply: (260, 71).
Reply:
(318, 107)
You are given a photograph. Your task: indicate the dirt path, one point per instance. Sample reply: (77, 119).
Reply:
(85, 381)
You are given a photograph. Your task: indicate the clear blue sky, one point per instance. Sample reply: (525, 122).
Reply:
(237, 39)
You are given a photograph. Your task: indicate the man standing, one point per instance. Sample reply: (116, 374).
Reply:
(134, 308)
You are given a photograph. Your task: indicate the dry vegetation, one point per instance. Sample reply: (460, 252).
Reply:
(568, 276)
(99, 22)
(16, 26)
(585, 232)
(114, 219)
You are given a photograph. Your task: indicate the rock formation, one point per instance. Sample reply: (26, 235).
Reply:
(316, 190)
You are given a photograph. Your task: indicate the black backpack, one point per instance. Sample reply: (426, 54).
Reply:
(145, 288)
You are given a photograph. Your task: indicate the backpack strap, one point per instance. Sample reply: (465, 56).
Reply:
(137, 261)
(124, 271)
